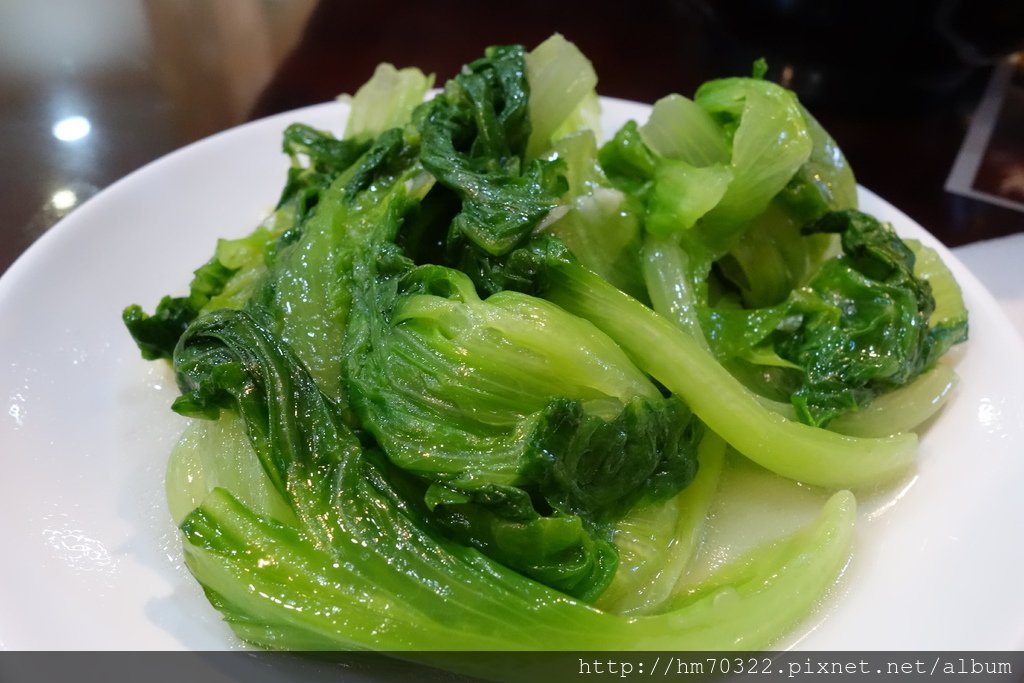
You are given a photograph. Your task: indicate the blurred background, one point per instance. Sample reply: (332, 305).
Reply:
(91, 90)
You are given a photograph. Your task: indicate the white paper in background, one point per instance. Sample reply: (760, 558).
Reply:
(990, 164)
(990, 168)
(999, 264)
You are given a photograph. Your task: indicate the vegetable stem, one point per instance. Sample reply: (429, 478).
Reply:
(792, 449)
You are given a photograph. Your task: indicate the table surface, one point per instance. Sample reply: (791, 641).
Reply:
(93, 89)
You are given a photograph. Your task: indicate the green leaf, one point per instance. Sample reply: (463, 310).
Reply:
(157, 334)
(561, 85)
(306, 296)
(864, 320)
(386, 101)
(473, 141)
(510, 392)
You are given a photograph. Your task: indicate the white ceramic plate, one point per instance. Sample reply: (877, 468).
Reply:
(91, 559)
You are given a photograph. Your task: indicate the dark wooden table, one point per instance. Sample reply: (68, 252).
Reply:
(90, 90)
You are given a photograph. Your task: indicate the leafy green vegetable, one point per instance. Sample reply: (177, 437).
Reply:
(657, 540)
(729, 177)
(363, 565)
(741, 191)
(307, 295)
(326, 158)
(863, 320)
(473, 383)
(385, 101)
(474, 137)
(598, 222)
(157, 334)
(561, 81)
(229, 279)
(508, 398)
(861, 327)
(722, 402)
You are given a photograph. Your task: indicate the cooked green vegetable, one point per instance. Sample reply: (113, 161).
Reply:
(474, 383)
(364, 563)
(793, 449)
(510, 407)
